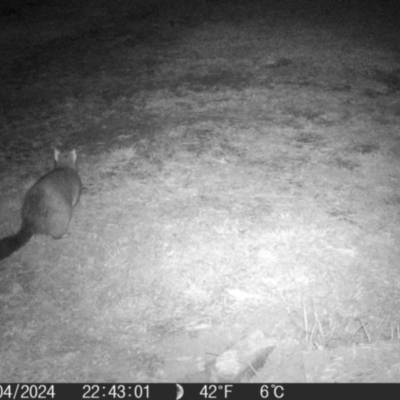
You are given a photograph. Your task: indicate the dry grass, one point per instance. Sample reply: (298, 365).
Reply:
(262, 191)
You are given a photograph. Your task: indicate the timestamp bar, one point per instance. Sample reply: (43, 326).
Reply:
(197, 391)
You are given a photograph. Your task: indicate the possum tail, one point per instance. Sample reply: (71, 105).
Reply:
(12, 243)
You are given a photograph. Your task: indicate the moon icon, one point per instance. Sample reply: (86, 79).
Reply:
(179, 392)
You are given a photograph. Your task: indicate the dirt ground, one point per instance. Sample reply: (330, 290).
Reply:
(241, 170)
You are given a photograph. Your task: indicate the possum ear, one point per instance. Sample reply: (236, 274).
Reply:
(73, 155)
(56, 154)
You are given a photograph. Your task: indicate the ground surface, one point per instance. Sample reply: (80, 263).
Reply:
(241, 165)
